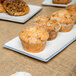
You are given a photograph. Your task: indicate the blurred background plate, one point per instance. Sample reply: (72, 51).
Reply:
(49, 2)
(21, 19)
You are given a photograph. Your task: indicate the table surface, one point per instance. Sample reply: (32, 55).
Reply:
(63, 64)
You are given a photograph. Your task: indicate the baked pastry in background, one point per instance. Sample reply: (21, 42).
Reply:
(51, 26)
(2, 10)
(65, 19)
(1, 1)
(16, 7)
(33, 38)
(61, 1)
(72, 9)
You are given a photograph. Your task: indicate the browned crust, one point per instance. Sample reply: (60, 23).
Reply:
(61, 2)
(2, 10)
(72, 10)
(33, 47)
(1, 1)
(52, 35)
(74, 17)
(66, 28)
(17, 13)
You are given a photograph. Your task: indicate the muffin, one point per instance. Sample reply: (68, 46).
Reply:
(42, 20)
(16, 7)
(33, 38)
(72, 10)
(61, 1)
(65, 19)
(50, 25)
(2, 10)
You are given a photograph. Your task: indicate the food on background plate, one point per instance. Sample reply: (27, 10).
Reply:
(50, 25)
(72, 9)
(64, 18)
(1, 1)
(61, 1)
(2, 10)
(16, 7)
(33, 38)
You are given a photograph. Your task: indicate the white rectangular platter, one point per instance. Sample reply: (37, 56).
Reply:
(49, 2)
(52, 47)
(21, 19)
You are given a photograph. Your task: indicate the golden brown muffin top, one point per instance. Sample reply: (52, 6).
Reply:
(62, 16)
(71, 8)
(42, 20)
(53, 25)
(34, 34)
(47, 23)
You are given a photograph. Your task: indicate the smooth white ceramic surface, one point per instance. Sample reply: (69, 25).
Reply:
(49, 2)
(33, 10)
(52, 47)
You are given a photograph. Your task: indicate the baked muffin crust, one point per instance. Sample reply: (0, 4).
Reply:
(72, 10)
(62, 16)
(2, 10)
(65, 19)
(71, 7)
(50, 25)
(47, 23)
(34, 34)
(42, 20)
(53, 25)
(61, 1)
(33, 38)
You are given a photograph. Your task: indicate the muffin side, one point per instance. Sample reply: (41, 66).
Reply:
(66, 27)
(30, 47)
(33, 38)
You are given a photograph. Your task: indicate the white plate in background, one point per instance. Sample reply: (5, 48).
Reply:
(49, 2)
(21, 19)
(51, 49)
